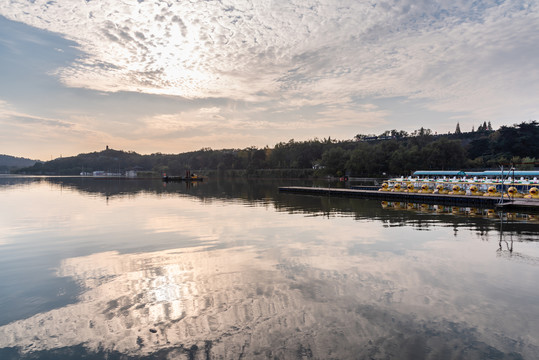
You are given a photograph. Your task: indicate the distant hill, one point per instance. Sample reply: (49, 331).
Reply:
(8, 163)
(108, 160)
(392, 152)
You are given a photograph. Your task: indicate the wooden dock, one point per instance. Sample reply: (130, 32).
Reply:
(442, 199)
(521, 204)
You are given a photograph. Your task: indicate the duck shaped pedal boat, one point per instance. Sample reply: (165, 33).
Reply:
(397, 188)
(425, 189)
(441, 189)
(512, 192)
(492, 191)
(410, 188)
(534, 193)
(474, 191)
(457, 191)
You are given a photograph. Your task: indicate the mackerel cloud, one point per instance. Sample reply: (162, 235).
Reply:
(308, 52)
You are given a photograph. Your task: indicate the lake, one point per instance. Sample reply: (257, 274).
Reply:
(233, 269)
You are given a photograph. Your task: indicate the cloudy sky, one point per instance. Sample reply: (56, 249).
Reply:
(173, 76)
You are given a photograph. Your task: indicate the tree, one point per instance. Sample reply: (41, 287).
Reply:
(358, 163)
(444, 154)
(518, 140)
(527, 163)
(399, 155)
(399, 134)
(335, 160)
(422, 132)
(457, 130)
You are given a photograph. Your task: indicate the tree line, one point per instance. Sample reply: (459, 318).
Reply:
(393, 152)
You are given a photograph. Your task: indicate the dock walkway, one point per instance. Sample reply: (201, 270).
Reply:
(442, 199)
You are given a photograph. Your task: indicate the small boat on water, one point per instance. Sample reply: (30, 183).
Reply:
(188, 177)
(181, 178)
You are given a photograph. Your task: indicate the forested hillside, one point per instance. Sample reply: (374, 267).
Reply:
(391, 153)
(8, 163)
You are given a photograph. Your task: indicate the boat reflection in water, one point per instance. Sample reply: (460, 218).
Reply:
(506, 242)
(186, 276)
(458, 210)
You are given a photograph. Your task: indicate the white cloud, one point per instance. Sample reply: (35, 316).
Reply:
(462, 57)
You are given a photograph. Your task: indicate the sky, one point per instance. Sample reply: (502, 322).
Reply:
(174, 76)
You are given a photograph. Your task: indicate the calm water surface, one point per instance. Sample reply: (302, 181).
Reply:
(233, 269)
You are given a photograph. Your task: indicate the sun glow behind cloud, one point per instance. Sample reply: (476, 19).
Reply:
(186, 49)
(463, 59)
(238, 49)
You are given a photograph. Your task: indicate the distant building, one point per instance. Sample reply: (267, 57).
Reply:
(104, 173)
(131, 174)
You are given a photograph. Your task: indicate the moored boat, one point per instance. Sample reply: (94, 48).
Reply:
(511, 183)
(188, 177)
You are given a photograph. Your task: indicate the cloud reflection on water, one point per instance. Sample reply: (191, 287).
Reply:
(242, 278)
(280, 302)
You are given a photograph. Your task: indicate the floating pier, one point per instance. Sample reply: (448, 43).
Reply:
(442, 199)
